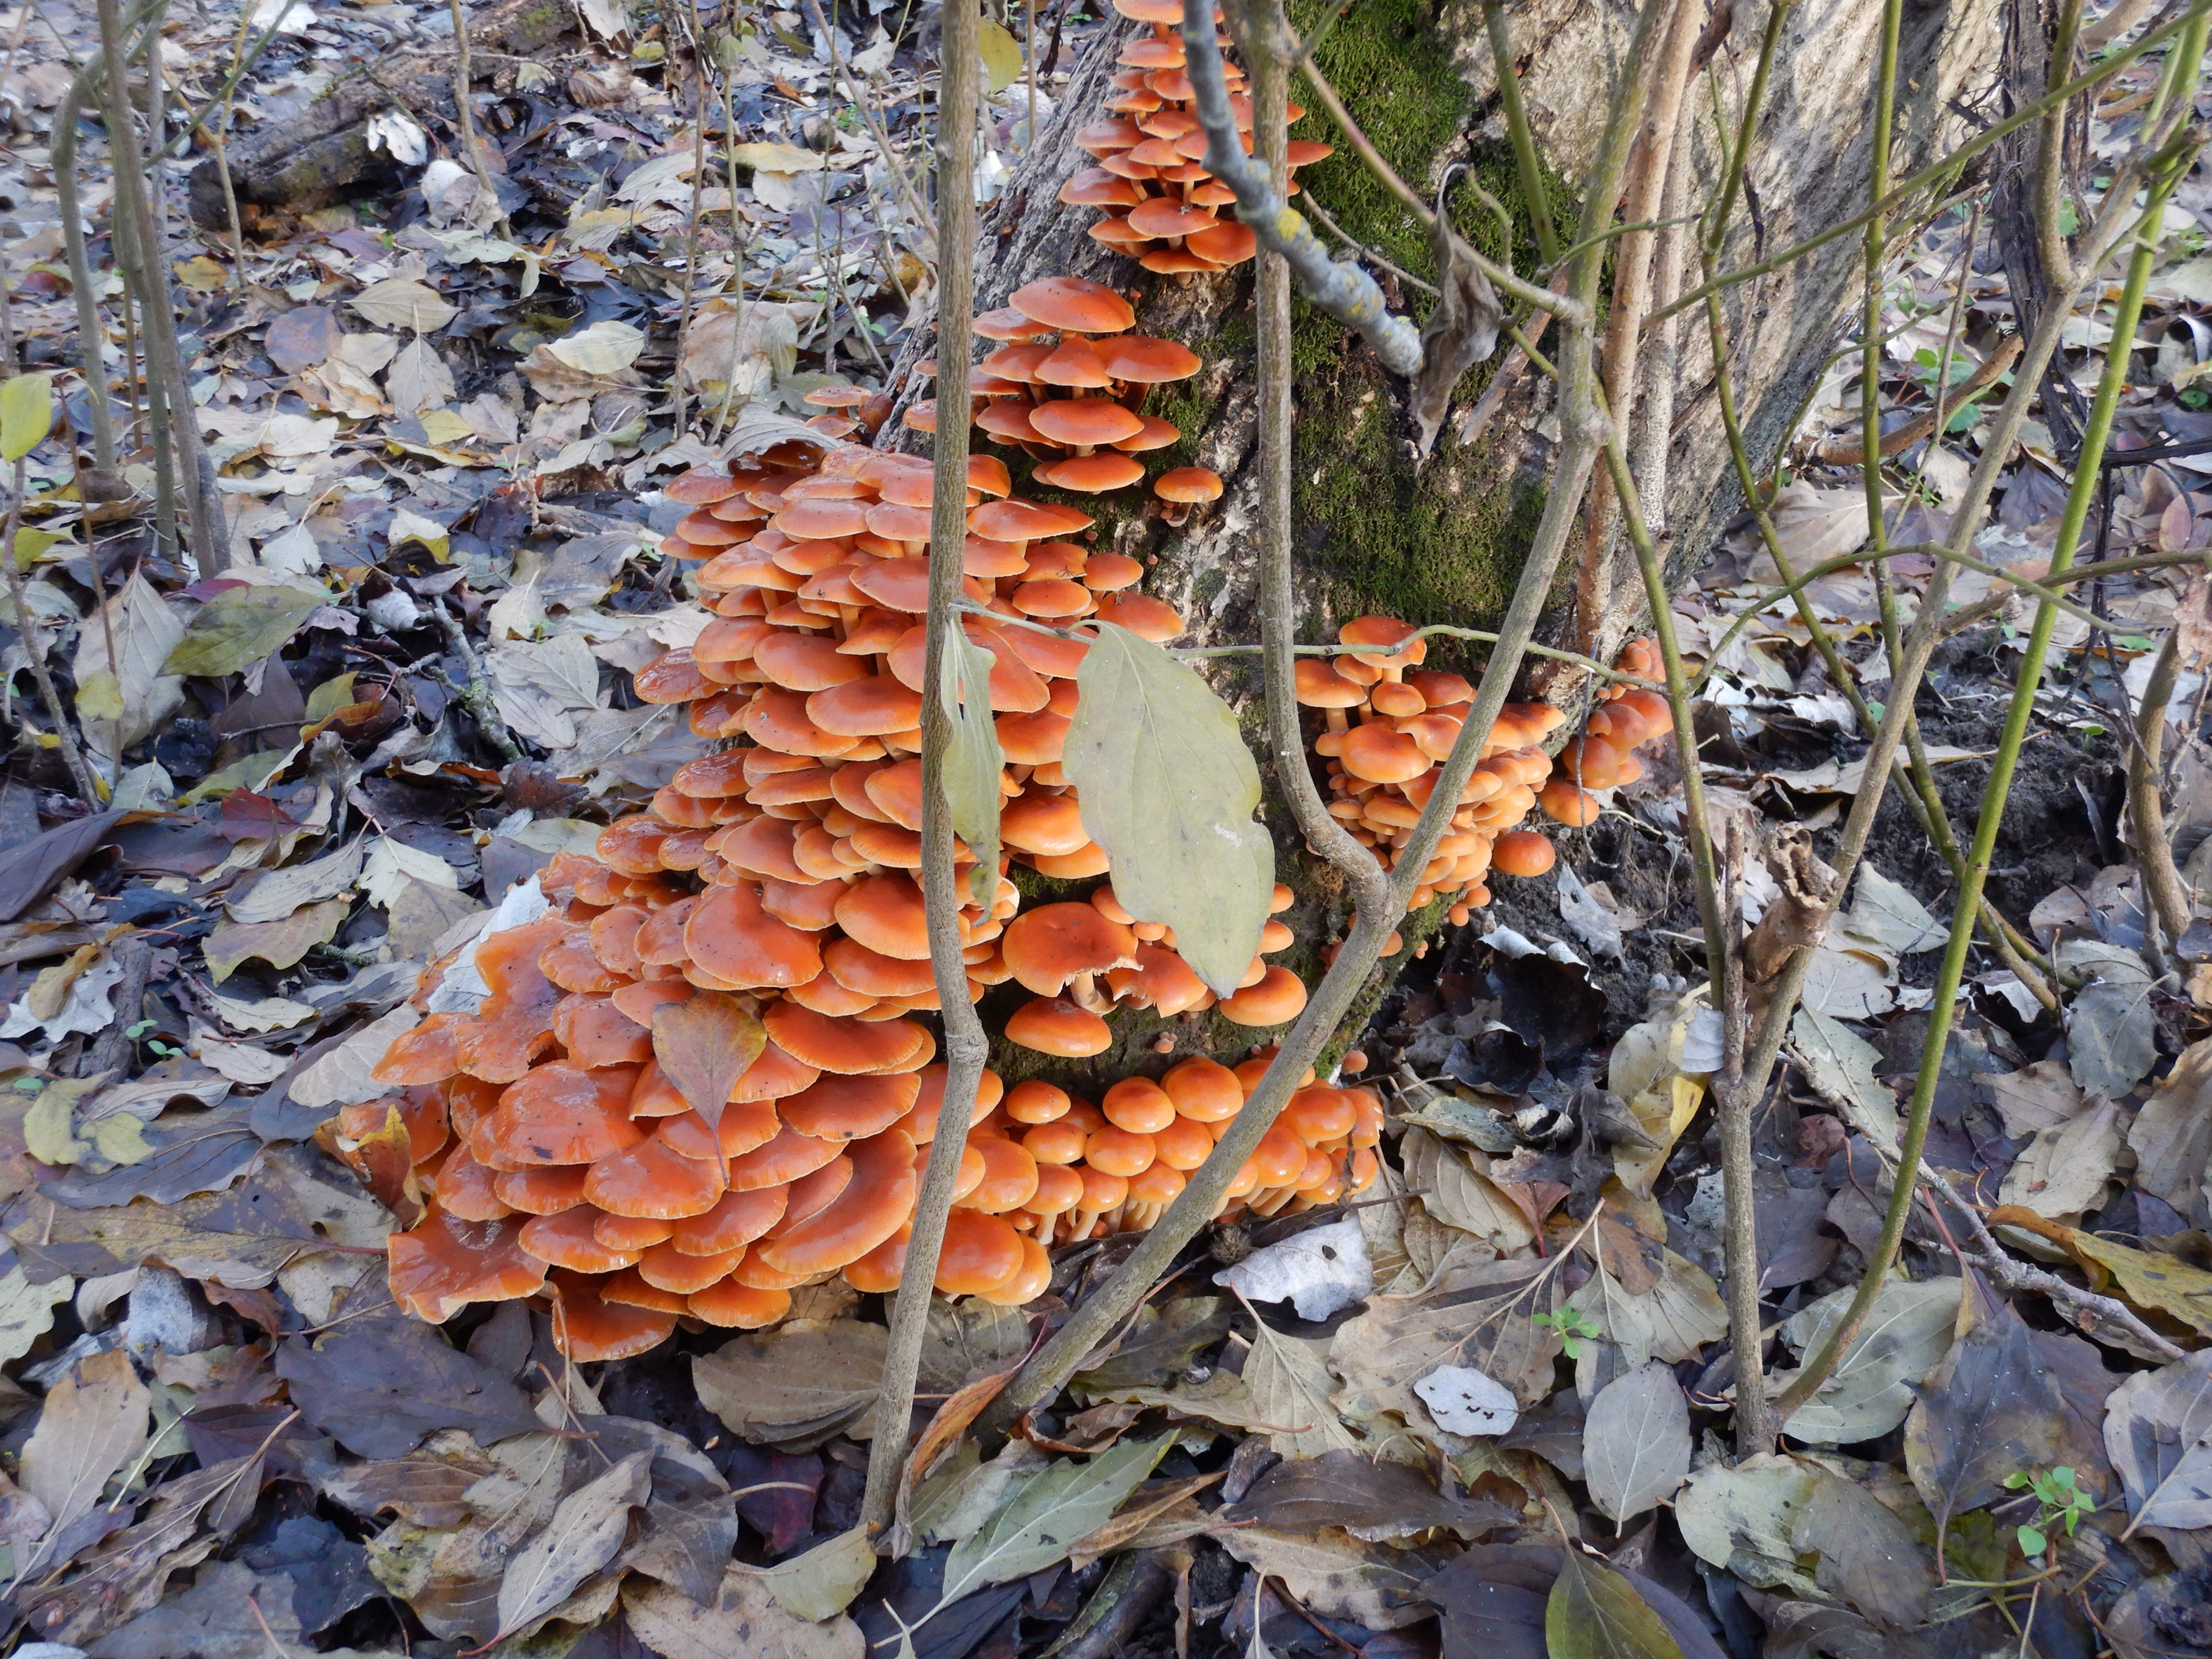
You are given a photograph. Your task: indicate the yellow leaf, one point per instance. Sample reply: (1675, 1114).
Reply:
(26, 414)
(1001, 54)
(201, 273)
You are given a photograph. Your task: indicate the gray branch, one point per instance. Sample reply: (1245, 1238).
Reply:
(1342, 289)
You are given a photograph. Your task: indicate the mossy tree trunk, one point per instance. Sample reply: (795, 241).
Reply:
(1441, 540)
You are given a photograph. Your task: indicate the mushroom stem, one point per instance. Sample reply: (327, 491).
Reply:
(1083, 991)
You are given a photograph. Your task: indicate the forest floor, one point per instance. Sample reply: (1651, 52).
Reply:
(443, 414)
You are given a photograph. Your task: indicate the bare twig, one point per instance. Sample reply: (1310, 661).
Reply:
(476, 696)
(2169, 899)
(966, 1048)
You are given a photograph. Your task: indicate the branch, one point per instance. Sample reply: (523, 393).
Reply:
(1344, 291)
(966, 1047)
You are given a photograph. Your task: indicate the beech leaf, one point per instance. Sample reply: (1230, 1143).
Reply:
(1168, 789)
(704, 1043)
(973, 759)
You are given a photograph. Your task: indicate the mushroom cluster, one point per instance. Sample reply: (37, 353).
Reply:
(1599, 757)
(1150, 177)
(1390, 723)
(1066, 385)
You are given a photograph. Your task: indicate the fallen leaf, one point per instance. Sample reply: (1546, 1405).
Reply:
(1291, 1388)
(2110, 1029)
(1374, 1502)
(403, 303)
(1331, 1573)
(277, 893)
(137, 689)
(795, 1387)
(1464, 1401)
(1907, 1332)
(1743, 1518)
(607, 347)
(380, 1386)
(820, 1583)
(94, 1423)
(1636, 1442)
(582, 1537)
(1868, 1555)
(238, 627)
(2067, 1169)
(1473, 1316)
(744, 1620)
(279, 944)
(704, 1043)
(1495, 1597)
(2157, 1432)
(1159, 1342)
(2172, 1134)
(1594, 1613)
(27, 1310)
(1047, 1511)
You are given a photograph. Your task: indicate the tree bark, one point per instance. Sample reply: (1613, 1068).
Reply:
(1440, 541)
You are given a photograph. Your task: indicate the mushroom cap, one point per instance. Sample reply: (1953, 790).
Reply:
(781, 1161)
(1177, 262)
(879, 1271)
(567, 1241)
(425, 1054)
(1081, 421)
(1035, 1100)
(1059, 1189)
(1204, 1089)
(738, 1307)
(808, 662)
(1153, 434)
(1091, 187)
(1038, 740)
(586, 1327)
(1017, 520)
(1053, 1025)
(1050, 824)
(873, 1206)
(559, 1115)
(1074, 362)
(1027, 1282)
(1056, 596)
(980, 1250)
(1007, 323)
(1319, 1112)
(1109, 573)
(895, 791)
(732, 937)
(884, 913)
(1278, 996)
(1072, 304)
(667, 1268)
(442, 1263)
(1281, 1157)
(871, 708)
(920, 1124)
(541, 1192)
(849, 1045)
(852, 1108)
(1163, 216)
(1224, 242)
(1009, 1174)
(1591, 763)
(701, 487)
(1439, 687)
(653, 1181)
(1377, 753)
(1523, 853)
(1119, 1151)
(1320, 686)
(1058, 1142)
(1157, 1183)
(1102, 1191)
(1564, 803)
(462, 1186)
(772, 1074)
(1089, 475)
(1397, 700)
(1184, 1144)
(1138, 1105)
(736, 1219)
(1048, 946)
(1108, 137)
(1143, 361)
(857, 968)
(1385, 631)
(742, 1126)
(1141, 614)
(1188, 484)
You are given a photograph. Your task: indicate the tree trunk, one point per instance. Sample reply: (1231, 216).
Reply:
(1441, 540)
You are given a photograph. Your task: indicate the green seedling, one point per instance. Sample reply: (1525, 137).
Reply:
(2058, 1500)
(1574, 1325)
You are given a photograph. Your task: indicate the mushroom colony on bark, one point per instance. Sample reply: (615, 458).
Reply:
(536, 1147)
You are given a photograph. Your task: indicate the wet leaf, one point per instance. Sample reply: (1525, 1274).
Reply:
(582, 1537)
(1595, 1613)
(1868, 1556)
(1333, 1574)
(1636, 1442)
(704, 1044)
(379, 1387)
(1993, 1410)
(279, 944)
(1374, 1502)
(973, 759)
(1905, 1336)
(94, 1423)
(1049, 1511)
(1168, 788)
(2157, 1432)
(241, 626)
(822, 1583)
(795, 1387)
(745, 1619)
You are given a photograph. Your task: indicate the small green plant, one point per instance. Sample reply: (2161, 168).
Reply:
(1574, 1325)
(2059, 1501)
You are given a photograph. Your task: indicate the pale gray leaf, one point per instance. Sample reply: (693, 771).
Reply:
(1908, 1330)
(2157, 1432)
(94, 1423)
(1168, 789)
(1636, 1442)
(1049, 1511)
(585, 1530)
(2110, 1030)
